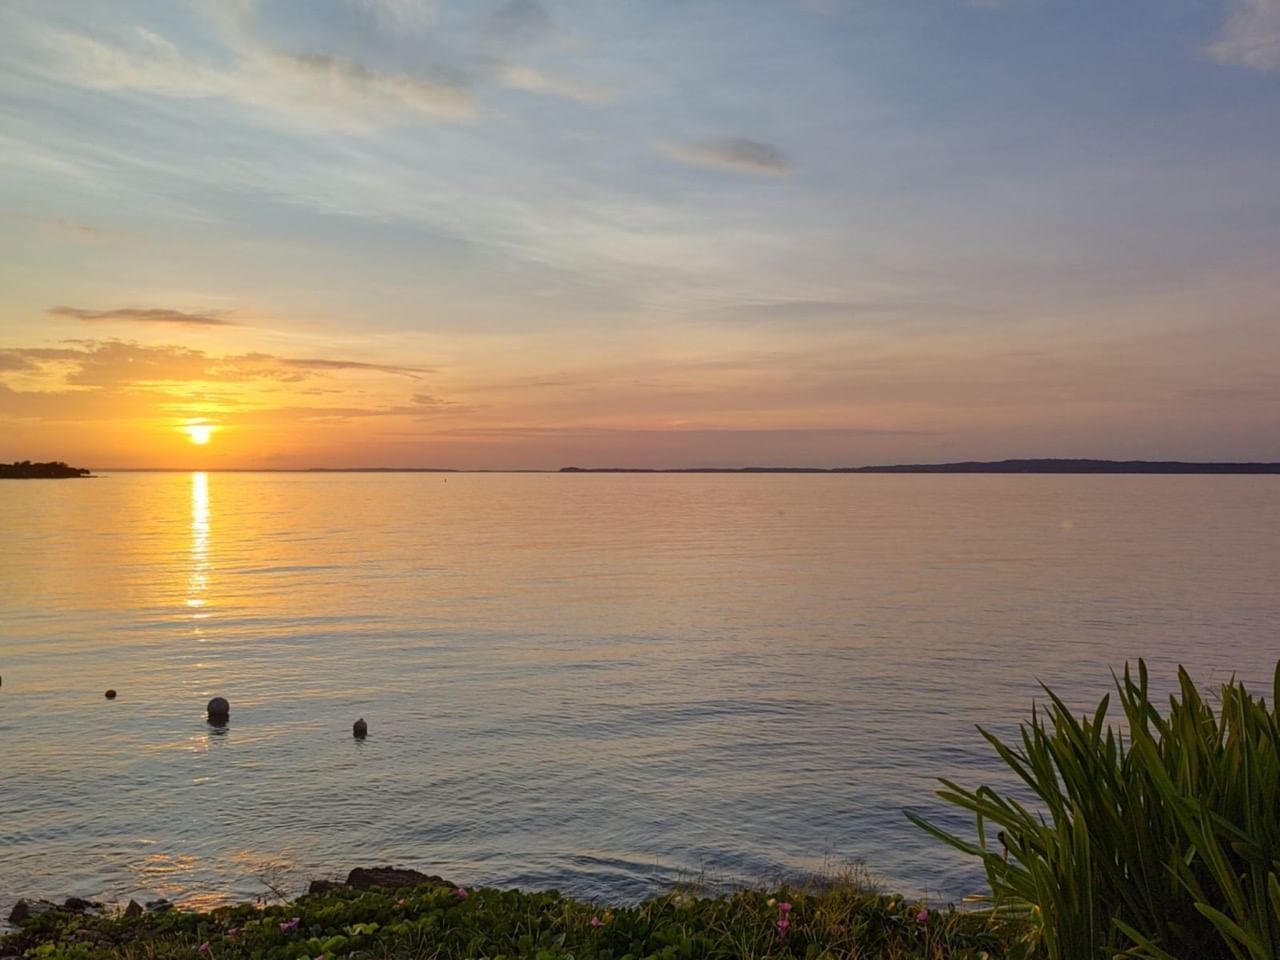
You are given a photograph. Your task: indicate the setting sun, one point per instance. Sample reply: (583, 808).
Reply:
(199, 432)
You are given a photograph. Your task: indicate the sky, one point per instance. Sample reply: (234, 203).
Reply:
(535, 233)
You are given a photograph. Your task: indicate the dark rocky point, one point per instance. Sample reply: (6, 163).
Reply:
(391, 878)
(360, 729)
(219, 710)
(26, 470)
(24, 910)
(134, 909)
(367, 878)
(20, 913)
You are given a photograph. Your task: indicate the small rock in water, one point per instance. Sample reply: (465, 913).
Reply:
(110, 694)
(159, 906)
(80, 905)
(360, 729)
(219, 710)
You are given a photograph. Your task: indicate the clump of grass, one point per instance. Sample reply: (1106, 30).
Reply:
(1161, 843)
(433, 923)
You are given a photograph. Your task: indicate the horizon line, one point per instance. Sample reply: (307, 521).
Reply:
(1009, 465)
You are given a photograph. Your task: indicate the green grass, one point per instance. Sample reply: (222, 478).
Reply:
(843, 921)
(1160, 839)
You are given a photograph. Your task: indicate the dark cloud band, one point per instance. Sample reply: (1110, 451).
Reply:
(143, 315)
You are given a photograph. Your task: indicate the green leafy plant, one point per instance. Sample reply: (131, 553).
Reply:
(1159, 840)
(437, 923)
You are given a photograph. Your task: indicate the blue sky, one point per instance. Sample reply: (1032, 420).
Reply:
(534, 232)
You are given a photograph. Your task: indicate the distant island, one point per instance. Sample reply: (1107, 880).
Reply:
(26, 470)
(973, 466)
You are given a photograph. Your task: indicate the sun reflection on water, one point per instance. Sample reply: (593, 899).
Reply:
(198, 579)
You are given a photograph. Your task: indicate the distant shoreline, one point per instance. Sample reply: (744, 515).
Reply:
(1040, 466)
(996, 466)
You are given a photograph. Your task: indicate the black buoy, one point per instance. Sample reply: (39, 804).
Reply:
(360, 729)
(219, 710)
(110, 694)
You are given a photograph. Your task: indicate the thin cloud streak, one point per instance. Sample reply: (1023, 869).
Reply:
(518, 22)
(535, 81)
(413, 373)
(143, 315)
(394, 16)
(116, 363)
(732, 153)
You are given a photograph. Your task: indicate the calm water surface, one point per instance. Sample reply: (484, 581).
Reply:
(590, 682)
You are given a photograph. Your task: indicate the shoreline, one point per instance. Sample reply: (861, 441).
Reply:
(391, 913)
(264, 890)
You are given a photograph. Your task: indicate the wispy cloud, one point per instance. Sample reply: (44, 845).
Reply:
(143, 315)
(14, 361)
(532, 80)
(319, 88)
(443, 92)
(1251, 35)
(795, 310)
(506, 38)
(731, 153)
(518, 21)
(304, 88)
(395, 16)
(322, 364)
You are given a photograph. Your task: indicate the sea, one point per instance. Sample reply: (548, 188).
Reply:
(605, 684)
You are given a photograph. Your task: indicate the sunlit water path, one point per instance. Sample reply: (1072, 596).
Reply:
(592, 682)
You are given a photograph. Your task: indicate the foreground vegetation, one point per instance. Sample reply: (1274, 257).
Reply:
(1161, 840)
(443, 922)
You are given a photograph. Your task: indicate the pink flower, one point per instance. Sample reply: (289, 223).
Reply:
(595, 922)
(784, 907)
(288, 925)
(205, 948)
(401, 902)
(922, 916)
(783, 926)
(233, 931)
(461, 892)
